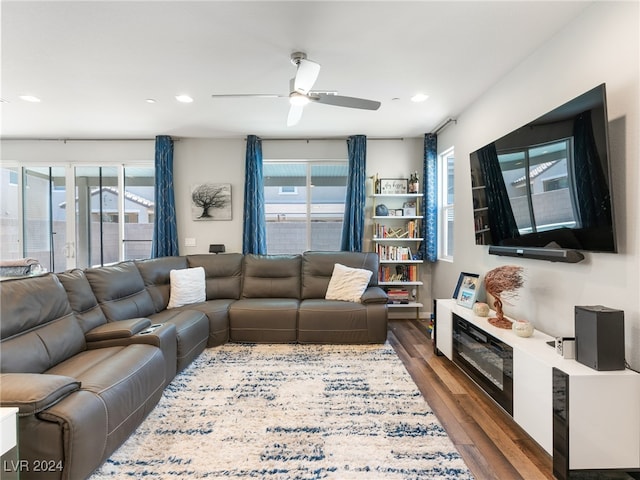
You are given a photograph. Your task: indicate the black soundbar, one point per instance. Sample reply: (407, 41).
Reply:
(539, 253)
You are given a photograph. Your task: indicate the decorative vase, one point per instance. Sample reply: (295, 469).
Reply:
(382, 210)
(481, 309)
(522, 328)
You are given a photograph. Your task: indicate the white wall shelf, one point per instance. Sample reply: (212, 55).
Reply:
(399, 248)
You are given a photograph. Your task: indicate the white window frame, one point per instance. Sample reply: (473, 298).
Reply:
(446, 210)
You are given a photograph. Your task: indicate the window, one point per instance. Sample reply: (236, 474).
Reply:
(139, 209)
(304, 204)
(446, 162)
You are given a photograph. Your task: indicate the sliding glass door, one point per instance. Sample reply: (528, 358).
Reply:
(44, 226)
(76, 216)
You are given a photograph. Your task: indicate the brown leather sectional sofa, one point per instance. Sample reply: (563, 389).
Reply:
(85, 354)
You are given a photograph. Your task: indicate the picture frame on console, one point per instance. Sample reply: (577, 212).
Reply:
(466, 290)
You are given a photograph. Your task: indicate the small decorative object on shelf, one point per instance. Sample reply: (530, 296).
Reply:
(382, 210)
(467, 289)
(393, 186)
(376, 184)
(522, 328)
(414, 183)
(502, 283)
(481, 309)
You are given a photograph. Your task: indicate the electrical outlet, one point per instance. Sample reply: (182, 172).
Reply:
(189, 242)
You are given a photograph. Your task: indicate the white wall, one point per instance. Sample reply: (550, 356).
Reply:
(600, 46)
(198, 161)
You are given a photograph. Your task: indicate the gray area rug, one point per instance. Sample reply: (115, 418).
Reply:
(290, 412)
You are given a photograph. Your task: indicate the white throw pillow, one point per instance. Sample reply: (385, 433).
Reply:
(187, 286)
(347, 283)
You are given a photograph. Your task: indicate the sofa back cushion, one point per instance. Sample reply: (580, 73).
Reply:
(120, 291)
(155, 274)
(38, 328)
(223, 274)
(271, 276)
(82, 300)
(317, 268)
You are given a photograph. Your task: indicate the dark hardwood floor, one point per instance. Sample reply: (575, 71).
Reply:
(491, 443)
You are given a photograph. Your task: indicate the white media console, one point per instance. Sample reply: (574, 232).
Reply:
(586, 419)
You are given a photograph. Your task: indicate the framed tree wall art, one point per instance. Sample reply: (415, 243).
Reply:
(211, 201)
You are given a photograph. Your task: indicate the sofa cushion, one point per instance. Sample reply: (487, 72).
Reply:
(347, 284)
(155, 274)
(121, 292)
(38, 328)
(192, 332)
(264, 320)
(317, 269)
(217, 311)
(271, 276)
(187, 287)
(223, 274)
(129, 381)
(332, 321)
(82, 300)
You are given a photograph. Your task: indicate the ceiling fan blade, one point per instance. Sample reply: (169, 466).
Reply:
(342, 101)
(248, 95)
(295, 114)
(306, 75)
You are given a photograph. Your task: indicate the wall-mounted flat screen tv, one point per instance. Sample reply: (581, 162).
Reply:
(548, 183)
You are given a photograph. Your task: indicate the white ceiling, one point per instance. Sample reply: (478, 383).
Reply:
(94, 63)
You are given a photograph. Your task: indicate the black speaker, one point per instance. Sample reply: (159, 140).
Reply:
(216, 248)
(600, 337)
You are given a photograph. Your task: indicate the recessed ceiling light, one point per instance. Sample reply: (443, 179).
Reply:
(419, 97)
(150, 100)
(29, 98)
(184, 98)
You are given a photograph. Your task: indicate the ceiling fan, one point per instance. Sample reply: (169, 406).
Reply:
(301, 93)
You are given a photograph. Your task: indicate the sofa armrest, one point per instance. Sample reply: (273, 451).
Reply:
(34, 392)
(118, 329)
(374, 295)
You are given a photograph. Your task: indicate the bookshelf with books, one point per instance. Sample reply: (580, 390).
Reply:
(396, 238)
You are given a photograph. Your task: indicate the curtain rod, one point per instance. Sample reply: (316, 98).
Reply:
(65, 140)
(444, 124)
(291, 139)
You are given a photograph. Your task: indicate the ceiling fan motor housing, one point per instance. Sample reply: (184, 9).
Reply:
(297, 56)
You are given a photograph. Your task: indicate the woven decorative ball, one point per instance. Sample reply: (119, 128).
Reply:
(481, 309)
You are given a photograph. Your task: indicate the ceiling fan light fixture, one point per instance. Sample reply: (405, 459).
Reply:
(298, 99)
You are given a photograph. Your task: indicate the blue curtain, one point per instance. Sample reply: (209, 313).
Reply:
(428, 249)
(254, 235)
(165, 229)
(353, 223)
